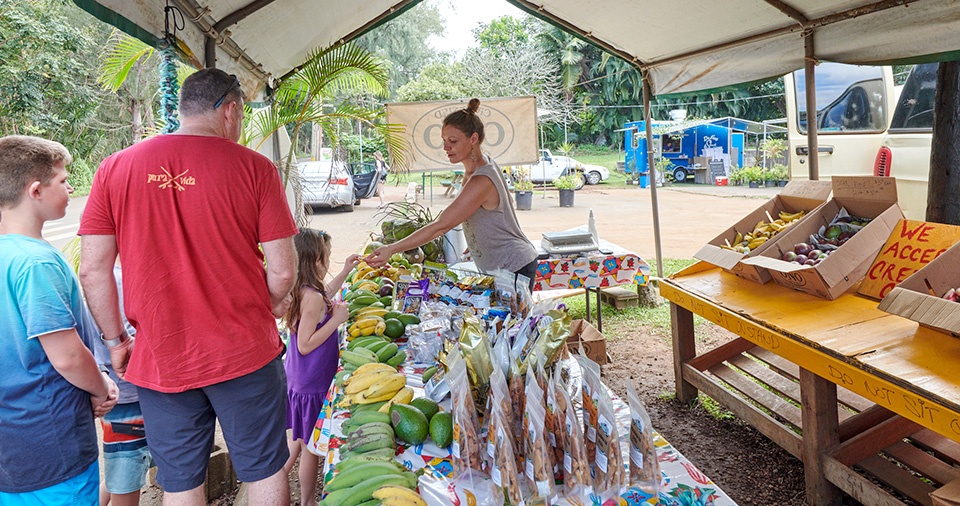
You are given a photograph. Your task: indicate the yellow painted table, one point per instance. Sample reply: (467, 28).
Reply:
(906, 379)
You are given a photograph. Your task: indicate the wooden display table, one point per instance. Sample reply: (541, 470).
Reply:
(900, 394)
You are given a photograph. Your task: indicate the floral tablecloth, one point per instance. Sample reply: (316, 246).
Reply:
(594, 270)
(682, 483)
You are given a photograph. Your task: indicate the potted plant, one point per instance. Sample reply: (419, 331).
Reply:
(568, 184)
(782, 174)
(753, 175)
(736, 175)
(523, 189)
(769, 178)
(664, 172)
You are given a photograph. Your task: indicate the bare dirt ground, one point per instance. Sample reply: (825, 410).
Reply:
(744, 463)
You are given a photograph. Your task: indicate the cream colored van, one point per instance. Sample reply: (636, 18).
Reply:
(854, 105)
(905, 149)
(867, 126)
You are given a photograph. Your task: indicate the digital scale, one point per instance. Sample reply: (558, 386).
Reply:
(568, 243)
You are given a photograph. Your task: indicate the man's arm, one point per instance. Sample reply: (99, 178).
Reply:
(281, 260)
(98, 253)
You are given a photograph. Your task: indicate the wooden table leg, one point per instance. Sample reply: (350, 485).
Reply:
(818, 406)
(684, 349)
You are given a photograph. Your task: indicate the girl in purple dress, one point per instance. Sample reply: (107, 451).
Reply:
(313, 319)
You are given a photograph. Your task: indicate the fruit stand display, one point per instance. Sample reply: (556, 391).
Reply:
(860, 395)
(388, 441)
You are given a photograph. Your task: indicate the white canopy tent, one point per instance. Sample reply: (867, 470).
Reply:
(681, 45)
(687, 45)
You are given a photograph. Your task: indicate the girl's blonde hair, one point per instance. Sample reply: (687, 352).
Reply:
(311, 245)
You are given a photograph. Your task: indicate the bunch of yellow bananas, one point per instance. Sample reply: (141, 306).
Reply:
(376, 382)
(365, 271)
(762, 232)
(393, 495)
(368, 325)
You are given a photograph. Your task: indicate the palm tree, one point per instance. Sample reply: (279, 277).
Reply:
(122, 55)
(324, 91)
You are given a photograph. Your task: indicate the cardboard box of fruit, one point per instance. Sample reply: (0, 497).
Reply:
(929, 297)
(850, 228)
(776, 216)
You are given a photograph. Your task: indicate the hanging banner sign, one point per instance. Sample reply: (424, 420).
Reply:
(510, 128)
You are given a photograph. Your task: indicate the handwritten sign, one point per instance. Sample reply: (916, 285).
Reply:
(911, 245)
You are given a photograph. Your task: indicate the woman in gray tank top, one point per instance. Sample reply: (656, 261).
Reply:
(483, 206)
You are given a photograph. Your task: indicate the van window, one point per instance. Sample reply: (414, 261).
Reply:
(915, 106)
(850, 99)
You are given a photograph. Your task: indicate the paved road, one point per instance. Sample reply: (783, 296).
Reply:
(62, 231)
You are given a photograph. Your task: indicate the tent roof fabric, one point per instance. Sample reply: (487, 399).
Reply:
(687, 45)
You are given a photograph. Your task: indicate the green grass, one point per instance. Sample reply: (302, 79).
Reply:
(656, 319)
(714, 408)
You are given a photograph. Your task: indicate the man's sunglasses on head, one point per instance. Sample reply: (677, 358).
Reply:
(234, 84)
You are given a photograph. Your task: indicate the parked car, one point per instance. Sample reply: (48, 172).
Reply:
(327, 183)
(553, 166)
(364, 180)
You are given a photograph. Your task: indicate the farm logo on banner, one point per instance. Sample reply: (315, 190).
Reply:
(510, 128)
(911, 245)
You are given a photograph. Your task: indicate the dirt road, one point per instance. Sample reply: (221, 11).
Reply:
(690, 215)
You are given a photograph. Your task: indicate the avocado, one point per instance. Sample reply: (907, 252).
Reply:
(408, 319)
(409, 423)
(426, 406)
(394, 328)
(441, 429)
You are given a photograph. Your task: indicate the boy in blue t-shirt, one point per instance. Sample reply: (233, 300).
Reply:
(51, 387)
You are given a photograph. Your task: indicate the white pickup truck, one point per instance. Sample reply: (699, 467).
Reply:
(553, 166)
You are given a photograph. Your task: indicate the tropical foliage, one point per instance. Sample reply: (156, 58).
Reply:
(314, 95)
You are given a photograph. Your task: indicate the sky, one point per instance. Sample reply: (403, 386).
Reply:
(462, 16)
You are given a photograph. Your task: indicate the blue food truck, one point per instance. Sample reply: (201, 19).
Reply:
(682, 142)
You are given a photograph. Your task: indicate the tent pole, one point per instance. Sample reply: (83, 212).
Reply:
(651, 170)
(810, 81)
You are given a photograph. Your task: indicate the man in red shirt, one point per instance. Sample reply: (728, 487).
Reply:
(189, 213)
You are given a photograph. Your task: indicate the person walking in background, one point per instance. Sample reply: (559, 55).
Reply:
(205, 233)
(483, 206)
(382, 171)
(313, 353)
(51, 387)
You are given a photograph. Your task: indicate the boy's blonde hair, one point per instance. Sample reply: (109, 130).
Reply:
(25, 159)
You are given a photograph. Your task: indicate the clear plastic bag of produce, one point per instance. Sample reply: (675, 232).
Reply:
(644, 466)
(501, 452)
(611, 475)
(518, 399)
(539, 457)
(552, 422)
(466, 447)
(425, 340)
(500, 398)
(577, 483)
(590, 381)
(501, 353)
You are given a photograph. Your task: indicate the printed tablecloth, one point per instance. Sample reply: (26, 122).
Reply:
(594, 270)
(682, 483)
